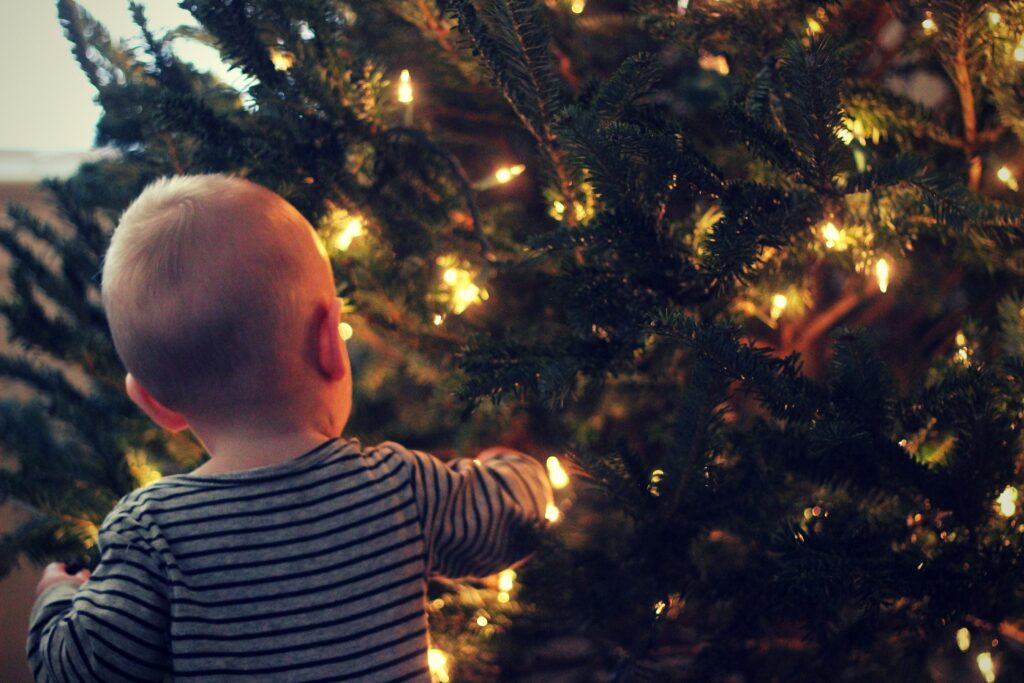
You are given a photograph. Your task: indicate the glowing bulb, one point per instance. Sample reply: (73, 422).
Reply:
(461, 290)
(345, 330)
(506, 580)
(507, 173)
(994, 18)
(814, 26)
(882, 272)
(578, 6)
(960, 338)
(659, 607)
(352, 227)
(986, 667)
(405, 87)
(656, 477)
(437, 660)
(929, 24)
(556, 473)
(1018, 53)
(481, 621)
(779, 303)
(451, 276)
(1007, 501)
(963, 639)
(552, 513)
(503, 598)
(830, 233)
(717, 63)
(682, 5)
(282, 61)
(1007, 176)
(438, 319)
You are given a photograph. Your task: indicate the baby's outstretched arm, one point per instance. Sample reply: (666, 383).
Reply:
(479, 515)
(107, 627)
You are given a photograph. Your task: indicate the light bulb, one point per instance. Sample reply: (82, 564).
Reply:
(556, 473)
(882, 272)
(405, 87)
(779, 303)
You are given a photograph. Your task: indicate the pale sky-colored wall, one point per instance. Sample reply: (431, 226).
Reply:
(46, 103)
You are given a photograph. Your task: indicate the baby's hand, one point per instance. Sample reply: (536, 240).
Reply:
(55, 573)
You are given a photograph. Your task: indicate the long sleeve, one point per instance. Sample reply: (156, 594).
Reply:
(479, 516)
(111, 629)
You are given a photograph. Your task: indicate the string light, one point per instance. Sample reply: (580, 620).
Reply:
(929, 24)
(507, 580)
(556, 473)
(578, 6)
(1009, 179)
(779, 303)
(405, 87)
(144, 473)
(711, 62)
(882, 272)
(963, 639)
(659, 607)
(656, 477)
(682, 5)
(345, 330)
(994, 18)
(461, 292)
(963, 352)
(351, 228)
(507, 173)
(1007, 501)
(481, 621)
(503, 598)
(987, 667)
(437, 660)
(1018, 52)
(281, 60)
(814, 26)
(438, 319)
(552, 513)
(831, 234)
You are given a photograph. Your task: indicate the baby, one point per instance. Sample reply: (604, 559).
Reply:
(293, 553)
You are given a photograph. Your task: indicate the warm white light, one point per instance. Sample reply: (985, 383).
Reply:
(352, 227)
(987, 667)
(481, 621)
(578, 6)
(711, 62)
(345, 330)
(659, 607)
(882, 272)
(994, 18)
(1018, 53)
(282, 60)
(405, 87)
(504, 597)
(779, 303)
(963, 639)
(1007, 501)
(929, 24)
(506, 580)
(830, 233)
(552, 513)
(437, 660)
(507, 173)
(814, 26)
(1007, 176)
(556, 473)
(682, 5)
(438, 319)
(462, 291)
(656, 477)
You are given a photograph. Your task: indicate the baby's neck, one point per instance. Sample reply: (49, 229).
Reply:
(245, 451)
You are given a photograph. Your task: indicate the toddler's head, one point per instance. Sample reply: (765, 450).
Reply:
(214, 288)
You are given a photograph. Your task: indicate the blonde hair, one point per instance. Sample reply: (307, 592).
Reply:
(209, 286)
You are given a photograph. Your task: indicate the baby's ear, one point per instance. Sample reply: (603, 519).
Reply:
(158, 412)
(330, 349)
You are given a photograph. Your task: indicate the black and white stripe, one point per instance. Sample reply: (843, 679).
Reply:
(312, 570)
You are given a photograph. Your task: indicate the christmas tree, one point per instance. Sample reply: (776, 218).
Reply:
(744, 273)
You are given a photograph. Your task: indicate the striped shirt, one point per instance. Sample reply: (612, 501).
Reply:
(310, 570)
